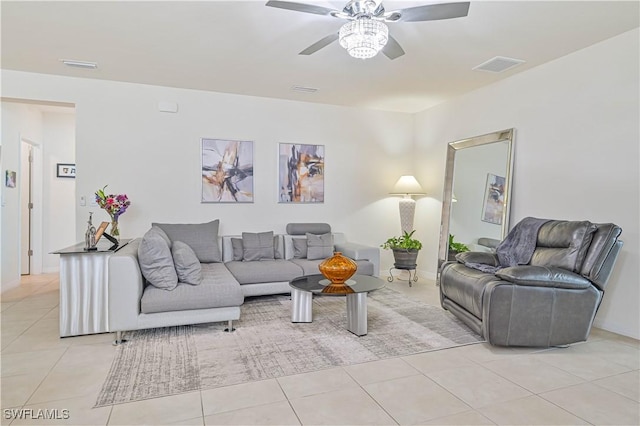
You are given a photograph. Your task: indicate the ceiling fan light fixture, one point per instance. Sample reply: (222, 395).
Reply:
(363, 37)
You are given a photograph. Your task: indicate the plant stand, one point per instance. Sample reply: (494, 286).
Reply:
(404, 268)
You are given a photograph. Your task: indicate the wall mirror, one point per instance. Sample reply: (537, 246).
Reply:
(477, 191)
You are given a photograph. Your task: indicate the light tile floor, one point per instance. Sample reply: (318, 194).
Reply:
(596, 382)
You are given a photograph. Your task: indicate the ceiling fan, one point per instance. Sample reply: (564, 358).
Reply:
(365, 33)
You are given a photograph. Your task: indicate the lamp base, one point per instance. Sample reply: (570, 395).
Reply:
(407, 213)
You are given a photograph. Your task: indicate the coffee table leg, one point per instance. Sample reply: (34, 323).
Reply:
(357, 313)
(301, 306)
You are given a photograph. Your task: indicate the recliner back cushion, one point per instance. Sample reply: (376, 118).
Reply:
(604, 240)
(563, 244)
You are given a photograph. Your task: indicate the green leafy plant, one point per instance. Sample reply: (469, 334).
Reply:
(404, 242)
(457, 247)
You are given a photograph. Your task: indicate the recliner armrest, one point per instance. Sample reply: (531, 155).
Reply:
(482, 257)
(543, 276)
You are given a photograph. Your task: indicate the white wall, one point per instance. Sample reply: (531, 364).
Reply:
(576, 152)
(123, 141)
(59, 220)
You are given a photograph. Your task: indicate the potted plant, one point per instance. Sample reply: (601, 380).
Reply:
(405, 250)
(455, 248)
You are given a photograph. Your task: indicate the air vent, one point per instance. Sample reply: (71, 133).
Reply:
(304, 89)
(498, 64)
(79, 64)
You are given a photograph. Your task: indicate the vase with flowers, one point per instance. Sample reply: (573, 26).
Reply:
(114, 205)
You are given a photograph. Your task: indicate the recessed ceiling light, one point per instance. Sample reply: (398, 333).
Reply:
(79, 64)
(498, 64)
(304, 89)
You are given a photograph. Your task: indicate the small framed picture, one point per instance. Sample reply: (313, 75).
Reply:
(10, 179)
(65, 170)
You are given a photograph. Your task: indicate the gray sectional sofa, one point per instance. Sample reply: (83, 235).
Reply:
(252, 264)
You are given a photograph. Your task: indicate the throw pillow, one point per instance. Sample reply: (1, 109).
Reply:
(319, 246)
(201, 237)
(257, 246)
(299, 248)
(186, 263)
(156, 262)
(236, 245)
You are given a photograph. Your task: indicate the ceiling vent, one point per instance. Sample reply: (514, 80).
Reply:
(498, 64)
(304, 89)
(79, 64)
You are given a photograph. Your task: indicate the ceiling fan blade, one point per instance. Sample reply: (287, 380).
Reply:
(301, 7)
(320, 44)
(430, 12)
(392, 49)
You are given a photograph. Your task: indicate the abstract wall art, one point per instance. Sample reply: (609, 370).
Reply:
(493, 199)
(300, 173)
(227, 171)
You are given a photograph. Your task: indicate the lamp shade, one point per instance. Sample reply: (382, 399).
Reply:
(407, 185)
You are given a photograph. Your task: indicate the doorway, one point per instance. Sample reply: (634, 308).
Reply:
(26, 206)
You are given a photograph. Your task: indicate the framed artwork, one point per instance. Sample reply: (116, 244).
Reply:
(65, 170)
(493, 199)
(227, 171)
(10, 179)
(300, 173)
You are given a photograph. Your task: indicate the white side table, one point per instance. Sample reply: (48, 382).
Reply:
(83, 288)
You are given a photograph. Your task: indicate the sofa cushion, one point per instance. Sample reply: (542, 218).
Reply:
(218, 289)
(310, 267)
(319, 246)
(155, 260)
(186, 263)
(257, 246)
(201, 237)
(236, 246)
(312, 228)
(299, 248)
(264, 271)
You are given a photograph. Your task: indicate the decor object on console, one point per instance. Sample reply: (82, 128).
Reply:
(115, 206)
(338, 269)
(542, 287)
(90, 235)
(227, 171)
(366, 33)
(407, 186)
(301, 173)
(405, 253)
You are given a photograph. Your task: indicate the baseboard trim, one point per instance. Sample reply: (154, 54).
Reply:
(617, 328)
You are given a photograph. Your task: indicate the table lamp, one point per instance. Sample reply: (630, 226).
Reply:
(407, 186)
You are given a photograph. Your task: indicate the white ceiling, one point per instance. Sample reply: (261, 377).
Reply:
(247, 48)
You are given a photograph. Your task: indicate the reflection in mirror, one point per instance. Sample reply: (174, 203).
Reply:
(477, 189)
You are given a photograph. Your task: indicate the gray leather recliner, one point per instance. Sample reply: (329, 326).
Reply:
(551, 301)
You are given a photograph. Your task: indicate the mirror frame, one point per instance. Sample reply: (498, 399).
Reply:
(501, 136)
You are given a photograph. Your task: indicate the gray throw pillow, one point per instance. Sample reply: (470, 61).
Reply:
(236, 245)
(319, 246)
(201, 237)
(299, 248)
(156, 262)
(186, 263)
(164, 235)
(257, 246)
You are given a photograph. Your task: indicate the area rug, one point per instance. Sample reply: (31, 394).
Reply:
(265, 344)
